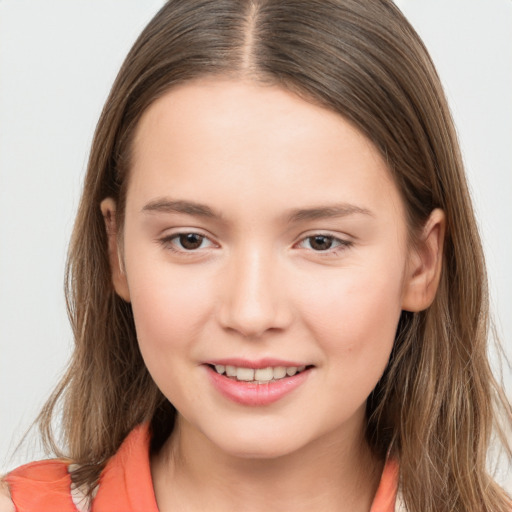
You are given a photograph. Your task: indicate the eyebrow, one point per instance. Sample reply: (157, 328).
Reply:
(164, 205)
(326, 212)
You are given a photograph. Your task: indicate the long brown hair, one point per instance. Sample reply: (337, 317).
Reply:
(436, 406)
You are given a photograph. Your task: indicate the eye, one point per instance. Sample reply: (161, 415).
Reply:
(187, 242)
(324, 243)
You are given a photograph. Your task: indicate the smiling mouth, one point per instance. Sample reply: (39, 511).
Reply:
(258, 375)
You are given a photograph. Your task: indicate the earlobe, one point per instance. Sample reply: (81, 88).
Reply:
(425, 265)
(108, 210)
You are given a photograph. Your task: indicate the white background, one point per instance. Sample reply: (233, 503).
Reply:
(58, 59)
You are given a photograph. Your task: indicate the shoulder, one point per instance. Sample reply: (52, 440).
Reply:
(46, 486)
(41, 471)
(6, 504)
(43, 486)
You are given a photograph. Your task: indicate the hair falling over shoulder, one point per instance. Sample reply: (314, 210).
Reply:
(437, 407)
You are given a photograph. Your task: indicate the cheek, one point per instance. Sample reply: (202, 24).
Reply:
(169, 315)
(354, 318)
(169, 306)
(357, 336)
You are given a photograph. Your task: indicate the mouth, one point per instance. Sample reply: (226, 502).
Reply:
(257, 383)
(258, 375)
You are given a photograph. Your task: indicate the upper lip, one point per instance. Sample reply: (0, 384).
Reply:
(258, 363)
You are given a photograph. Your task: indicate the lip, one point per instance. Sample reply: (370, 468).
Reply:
(255, 395)
(255, 364)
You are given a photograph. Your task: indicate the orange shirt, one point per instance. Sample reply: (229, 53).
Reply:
(125, 483)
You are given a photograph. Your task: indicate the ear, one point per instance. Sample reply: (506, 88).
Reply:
(108, 210)
(425, 263)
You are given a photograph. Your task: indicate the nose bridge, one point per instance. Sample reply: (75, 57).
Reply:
(254, 300)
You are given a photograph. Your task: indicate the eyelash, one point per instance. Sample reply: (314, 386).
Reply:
(342, 245)
(167, 242)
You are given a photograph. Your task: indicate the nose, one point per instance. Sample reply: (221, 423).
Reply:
(254, 299)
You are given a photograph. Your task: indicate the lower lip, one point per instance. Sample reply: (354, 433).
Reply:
(248, 393)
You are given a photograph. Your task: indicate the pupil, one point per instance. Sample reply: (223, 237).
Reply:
(191, 241)
(321, 243)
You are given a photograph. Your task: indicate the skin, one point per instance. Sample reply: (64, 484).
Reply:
(258, 286)
(6, 505)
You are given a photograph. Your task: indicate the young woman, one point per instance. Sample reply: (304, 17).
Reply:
(276, 282)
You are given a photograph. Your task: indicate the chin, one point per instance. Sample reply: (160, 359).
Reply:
(258, 451)
(258, 444)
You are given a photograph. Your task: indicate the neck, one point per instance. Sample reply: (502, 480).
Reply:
(333, 473)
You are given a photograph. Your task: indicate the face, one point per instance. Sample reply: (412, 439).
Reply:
(265, 257)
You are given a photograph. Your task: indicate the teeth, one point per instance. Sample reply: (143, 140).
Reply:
(231, 371)
(279, 372)
(260, 375)
(245, 374)
(264, 374)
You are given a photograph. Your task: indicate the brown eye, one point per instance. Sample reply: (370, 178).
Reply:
(190, 241)
(328, 244)
(320, 242)
(187, 243)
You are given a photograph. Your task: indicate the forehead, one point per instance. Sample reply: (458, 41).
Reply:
(235, 143)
